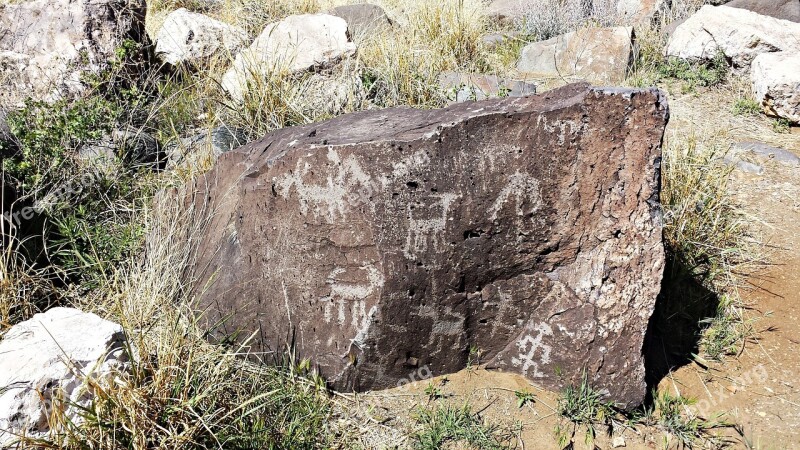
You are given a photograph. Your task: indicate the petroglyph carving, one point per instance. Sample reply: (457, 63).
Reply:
(529, 346)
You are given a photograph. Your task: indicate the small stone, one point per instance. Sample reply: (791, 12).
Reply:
(617, 442)
(744, 166)
(768, 153)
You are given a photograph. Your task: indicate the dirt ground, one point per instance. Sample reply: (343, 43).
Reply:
(758, 391)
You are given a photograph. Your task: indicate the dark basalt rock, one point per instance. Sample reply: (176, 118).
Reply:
(386, 241)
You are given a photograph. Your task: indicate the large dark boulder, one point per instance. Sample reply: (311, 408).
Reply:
(385, 241)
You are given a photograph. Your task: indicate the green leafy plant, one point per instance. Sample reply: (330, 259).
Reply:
(434, 391)
(781, 125)
(706, 74)
(48, 133)
(524, 397)
(746, 107)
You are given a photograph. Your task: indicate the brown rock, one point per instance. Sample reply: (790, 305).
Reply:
(383, 241)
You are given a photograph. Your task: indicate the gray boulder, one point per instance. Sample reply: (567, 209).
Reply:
(204, 148)
(740, 35)
(48, 46)
(776, 83)
(120, 150)
(635, 12)
(779, 9)
(63, 352)
(194, 39)
(363, 19)
(601, 55)
(292, 45)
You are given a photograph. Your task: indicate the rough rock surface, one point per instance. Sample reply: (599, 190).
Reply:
(55, 351)
(767, 152)
(386, 241)
(294, 44)
(191, 38)
(363, 19)
(780, 9)
(6, 137)
(776, 83)
(639, 11)
(46, 45)
(739, 34)
(593, 54)
(461, 87)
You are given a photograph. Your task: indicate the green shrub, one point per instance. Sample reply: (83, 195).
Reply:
(48, 134)
(705, 74)
(746, 107)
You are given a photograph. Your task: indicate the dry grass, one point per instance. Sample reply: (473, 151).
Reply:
(181, 391)
(712, 243)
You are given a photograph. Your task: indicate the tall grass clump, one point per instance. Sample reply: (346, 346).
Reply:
(24, 289)
(402, 68)
(710, 249)
(451, 426)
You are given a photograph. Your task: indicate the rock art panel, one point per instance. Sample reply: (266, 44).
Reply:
(384, 241)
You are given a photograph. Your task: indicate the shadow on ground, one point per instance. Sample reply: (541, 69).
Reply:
(674, 331)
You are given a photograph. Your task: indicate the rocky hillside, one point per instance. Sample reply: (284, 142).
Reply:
(401, 224)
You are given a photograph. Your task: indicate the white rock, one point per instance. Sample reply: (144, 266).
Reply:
(46, 46)
(295, 44)
(49, 355)
(738, 33)
(187, 37)
(776, 83)
(595, 54)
